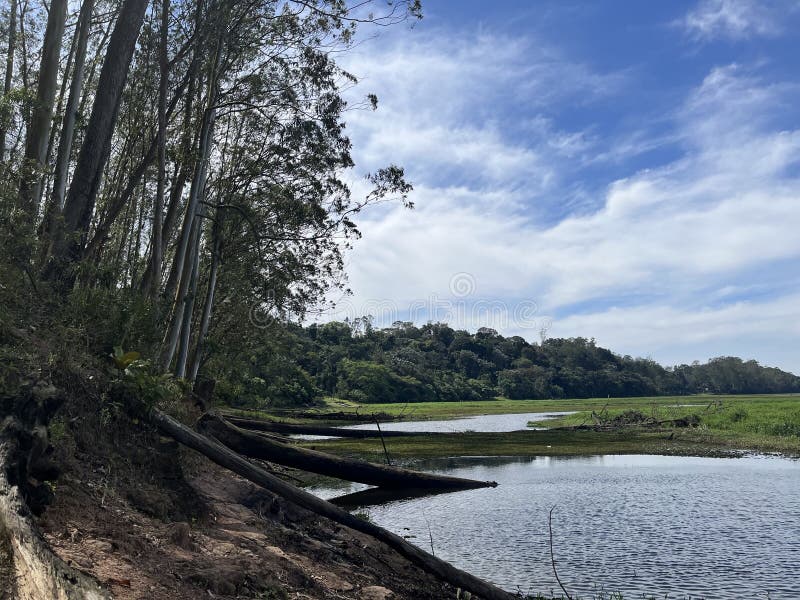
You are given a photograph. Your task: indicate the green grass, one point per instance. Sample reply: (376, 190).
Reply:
(450, 410)
(755, 422)
(728, 425)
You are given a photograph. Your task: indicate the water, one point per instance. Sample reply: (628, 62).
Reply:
(722, 528)
(481, 423)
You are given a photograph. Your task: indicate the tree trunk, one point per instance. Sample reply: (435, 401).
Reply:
(71, 111)
(68, 125)
(25, 469)
(178, 276)
(12, 43)
(257, 446)
(196, 192)
(96, 146)
(158, 207)
(42, 116)
(205, 320)
(292, 429)
(188, 310)
(230, 460)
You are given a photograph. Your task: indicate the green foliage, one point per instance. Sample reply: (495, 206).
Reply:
(148, 388)
(434, 362)
(365, 381)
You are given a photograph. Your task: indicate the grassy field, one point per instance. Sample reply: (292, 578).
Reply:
(728, 425)
(422, 411)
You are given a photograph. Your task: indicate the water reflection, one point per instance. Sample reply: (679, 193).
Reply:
(705, 527)
(482, 423)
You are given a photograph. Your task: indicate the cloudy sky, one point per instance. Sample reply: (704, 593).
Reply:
(623, 170)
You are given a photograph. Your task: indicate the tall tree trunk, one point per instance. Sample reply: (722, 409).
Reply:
(41, 118)
(205, 320)
(118, 202)
(96, 146)
(68, 125)
(178, 275)
(188, 310)
(179, 180)
(71, 111)
(198, 181)
(176, 322)
(12, 43)
(158, 208)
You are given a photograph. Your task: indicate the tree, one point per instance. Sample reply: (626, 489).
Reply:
(70, 238)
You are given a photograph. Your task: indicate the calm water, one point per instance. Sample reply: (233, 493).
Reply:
(482, 423)
(687, 527)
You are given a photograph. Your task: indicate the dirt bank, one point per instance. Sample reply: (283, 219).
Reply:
(210, 534)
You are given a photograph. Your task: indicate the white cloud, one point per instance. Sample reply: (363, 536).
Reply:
(733, 19)
(670, 334)
(439, 107)
(687, 231)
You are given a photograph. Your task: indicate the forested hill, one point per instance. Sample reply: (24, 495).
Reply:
(405, 363)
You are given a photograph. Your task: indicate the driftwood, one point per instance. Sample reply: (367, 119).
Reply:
(225, 457)
(257, 446)
(292, 429)
(631, 420)
(37, 572)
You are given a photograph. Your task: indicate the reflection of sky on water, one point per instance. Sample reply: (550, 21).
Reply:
(724, 528)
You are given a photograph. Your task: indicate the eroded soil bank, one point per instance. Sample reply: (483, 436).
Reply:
(212, 534)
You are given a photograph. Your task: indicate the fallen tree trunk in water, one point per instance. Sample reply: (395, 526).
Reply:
(256, 446)
(354, 417)
(225, 457)
(291, 428)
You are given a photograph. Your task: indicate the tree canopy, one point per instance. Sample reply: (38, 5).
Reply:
(407, 363)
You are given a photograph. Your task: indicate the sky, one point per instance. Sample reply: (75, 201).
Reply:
(621, 170)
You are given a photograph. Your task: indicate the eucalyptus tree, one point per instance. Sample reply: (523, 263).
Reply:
(38, 131)
(86, 178)
(199, 156)
(9, 75)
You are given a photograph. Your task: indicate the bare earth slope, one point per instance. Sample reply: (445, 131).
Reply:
(242, 542)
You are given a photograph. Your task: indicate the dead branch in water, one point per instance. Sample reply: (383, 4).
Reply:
(552, 556)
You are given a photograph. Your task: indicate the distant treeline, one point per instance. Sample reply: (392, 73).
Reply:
(405, 363)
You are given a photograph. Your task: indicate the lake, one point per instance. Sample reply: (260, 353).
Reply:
(482, 423)
(723, 528)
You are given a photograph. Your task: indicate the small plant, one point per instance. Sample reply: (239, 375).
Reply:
(363, 515)
(124, 359)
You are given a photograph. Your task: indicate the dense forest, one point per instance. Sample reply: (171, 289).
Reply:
(406, 363)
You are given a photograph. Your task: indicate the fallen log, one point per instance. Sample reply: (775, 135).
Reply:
(225, 457)
(354, 417)
(293, 429)
(257, 446)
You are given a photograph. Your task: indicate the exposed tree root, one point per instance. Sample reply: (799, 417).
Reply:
(38, 573)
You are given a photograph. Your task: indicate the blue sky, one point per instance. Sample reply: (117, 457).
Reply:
(627, 171)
